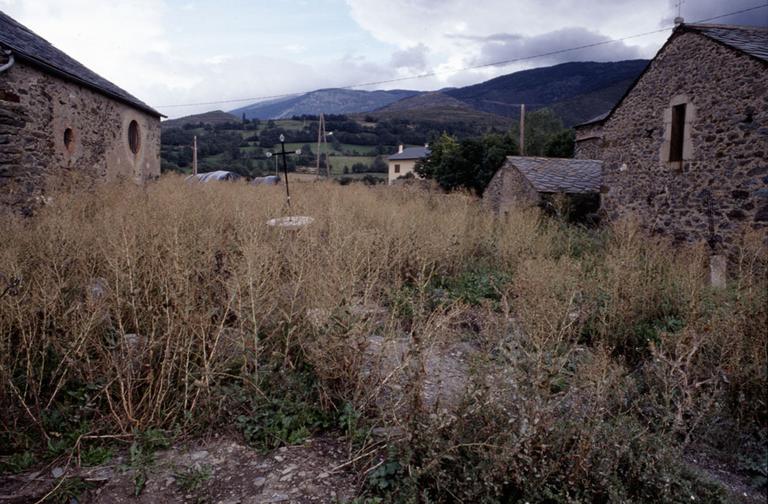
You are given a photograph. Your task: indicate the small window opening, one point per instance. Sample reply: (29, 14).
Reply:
(134, 140)
(69, 139)
(678, 130)
(397, 168)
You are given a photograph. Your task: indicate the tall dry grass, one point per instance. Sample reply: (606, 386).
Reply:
(128, 308)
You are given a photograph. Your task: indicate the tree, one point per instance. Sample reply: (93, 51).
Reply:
(379, 165)
(469, 163)
(336, 144)
(540, 126)
(561, 145)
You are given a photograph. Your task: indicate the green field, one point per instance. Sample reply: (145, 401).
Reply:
(342, 155)
(345, 149)
(338, 162)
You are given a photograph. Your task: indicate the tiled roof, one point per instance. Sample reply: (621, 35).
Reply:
(553, 175)
(410, 153)
(747, 39)
(33, 49)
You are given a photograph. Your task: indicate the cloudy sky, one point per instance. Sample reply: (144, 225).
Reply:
(170, 52)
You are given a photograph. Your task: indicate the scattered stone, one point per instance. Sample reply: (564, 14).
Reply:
(245, 477)
(97, 289)
(199, 455)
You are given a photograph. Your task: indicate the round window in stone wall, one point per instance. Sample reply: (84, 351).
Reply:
(134, 137)
(69, 139)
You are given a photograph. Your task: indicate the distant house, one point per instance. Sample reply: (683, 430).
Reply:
(686, 148)
(404, 161)
(56, 115)
(532, 181)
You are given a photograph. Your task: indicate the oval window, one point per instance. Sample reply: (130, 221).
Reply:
(69, 139)
(134, 137)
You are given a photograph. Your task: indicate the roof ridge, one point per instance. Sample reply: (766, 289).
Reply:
(548, 158)
(727, 26)
(39, 52)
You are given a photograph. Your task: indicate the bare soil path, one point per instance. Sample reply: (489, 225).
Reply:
(220, 471)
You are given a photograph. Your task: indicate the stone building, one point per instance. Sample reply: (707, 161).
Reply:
(57, 116)
(404, 162)
(525, 181)
(686, 148)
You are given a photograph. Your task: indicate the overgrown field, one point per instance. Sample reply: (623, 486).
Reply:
(593, 358)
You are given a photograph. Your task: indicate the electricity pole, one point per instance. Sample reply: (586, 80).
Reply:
(194, 155)
(522, 129)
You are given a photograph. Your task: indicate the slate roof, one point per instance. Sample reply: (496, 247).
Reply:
(747, 39)
(410, 153)
(553, 175)
(594, 120)
(33, 49)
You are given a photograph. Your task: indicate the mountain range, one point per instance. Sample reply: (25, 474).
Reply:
(213, 117)
(437, 107)
(575, 91)
(328, 101)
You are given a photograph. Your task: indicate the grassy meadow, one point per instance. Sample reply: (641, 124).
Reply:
(594, 359)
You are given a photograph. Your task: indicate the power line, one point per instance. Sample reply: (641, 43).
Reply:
(435, 73)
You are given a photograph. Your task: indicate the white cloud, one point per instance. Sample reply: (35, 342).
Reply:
(412, 59)
(124, 40)
(459, 33)
(148, 48)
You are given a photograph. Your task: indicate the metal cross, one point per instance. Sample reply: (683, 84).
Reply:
(284, 155)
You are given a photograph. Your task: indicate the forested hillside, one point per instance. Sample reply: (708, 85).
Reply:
(356, 145)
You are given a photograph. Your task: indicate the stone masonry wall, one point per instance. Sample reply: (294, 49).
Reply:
(508, 189)
(35, 110)
(588, 141)
(723, 179)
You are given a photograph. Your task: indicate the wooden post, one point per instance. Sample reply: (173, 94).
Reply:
(319, 138)
(322, 140)
(194, 155)
(522, 129)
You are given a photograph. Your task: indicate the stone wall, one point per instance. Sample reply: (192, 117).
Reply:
(37, 110)
(589, 140)
(722, 181)
(509, 189)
